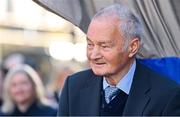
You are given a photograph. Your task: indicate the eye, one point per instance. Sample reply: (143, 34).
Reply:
(90, 45)
(105, 46)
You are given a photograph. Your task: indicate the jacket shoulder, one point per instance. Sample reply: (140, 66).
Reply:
(82, 75)
(80, 79)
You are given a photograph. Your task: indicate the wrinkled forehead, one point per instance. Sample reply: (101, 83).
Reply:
(104, 30)
(103, 24)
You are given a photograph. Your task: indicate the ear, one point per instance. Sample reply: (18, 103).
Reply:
(133, 47)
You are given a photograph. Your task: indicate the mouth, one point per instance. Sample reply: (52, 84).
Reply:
(99, 63)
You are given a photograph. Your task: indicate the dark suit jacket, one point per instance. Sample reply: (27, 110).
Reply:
(150, 94)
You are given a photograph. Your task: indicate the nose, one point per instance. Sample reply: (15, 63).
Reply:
(95, 54)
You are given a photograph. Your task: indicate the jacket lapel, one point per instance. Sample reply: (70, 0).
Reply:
(90, 97)
(138, 97)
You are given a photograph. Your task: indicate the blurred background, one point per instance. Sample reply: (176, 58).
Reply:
(31, 34)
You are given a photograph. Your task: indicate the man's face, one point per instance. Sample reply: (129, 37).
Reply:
(105, 49)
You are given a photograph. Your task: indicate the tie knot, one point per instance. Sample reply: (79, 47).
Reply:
(110, 93)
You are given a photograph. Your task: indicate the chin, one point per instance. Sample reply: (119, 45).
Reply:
(98, 72)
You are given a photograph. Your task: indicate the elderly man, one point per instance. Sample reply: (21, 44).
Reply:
(117, 84)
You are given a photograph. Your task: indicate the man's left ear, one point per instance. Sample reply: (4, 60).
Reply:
(133, 47)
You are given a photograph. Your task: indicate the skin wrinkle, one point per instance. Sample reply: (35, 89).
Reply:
(119, 25)
(113, 39)
(114, 72)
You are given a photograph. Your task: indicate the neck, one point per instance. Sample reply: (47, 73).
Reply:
(114, 79)
(24, 106)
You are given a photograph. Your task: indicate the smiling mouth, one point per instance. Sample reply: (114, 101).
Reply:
(99, 63)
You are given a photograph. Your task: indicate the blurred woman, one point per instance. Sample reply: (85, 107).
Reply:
(23, 94)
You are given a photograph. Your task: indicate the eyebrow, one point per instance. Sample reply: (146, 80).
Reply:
(101, 42)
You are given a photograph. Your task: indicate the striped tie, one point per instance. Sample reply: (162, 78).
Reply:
(110, 93)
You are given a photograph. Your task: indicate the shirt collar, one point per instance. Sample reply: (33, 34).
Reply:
(126, 82)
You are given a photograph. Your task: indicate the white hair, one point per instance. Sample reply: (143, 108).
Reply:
(130, 25)
(8, 104)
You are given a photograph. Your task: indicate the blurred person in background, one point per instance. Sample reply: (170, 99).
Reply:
(1, 83)
(58, 83)
(12, 60)
(23, 94)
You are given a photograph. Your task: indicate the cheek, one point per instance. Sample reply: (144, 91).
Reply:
(115, 58)
(12, 91)
(28, 89)
(88, 53)
(110, 56)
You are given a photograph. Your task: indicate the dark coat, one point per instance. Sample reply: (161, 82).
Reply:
(35, 109)
(150, 94)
